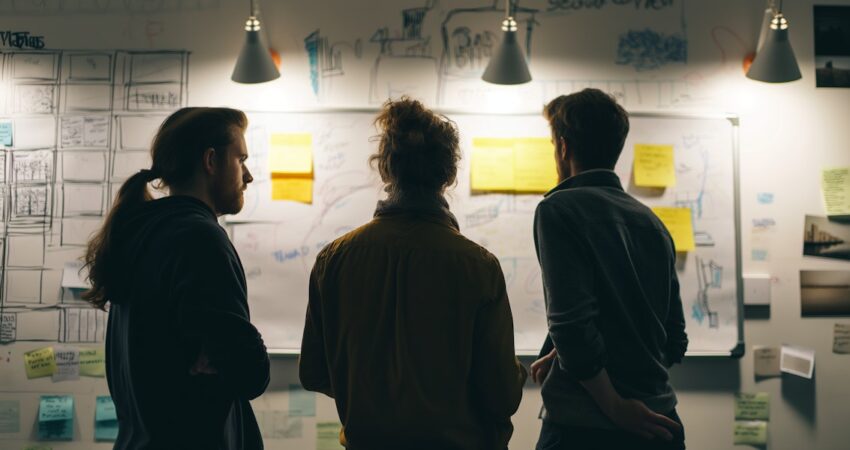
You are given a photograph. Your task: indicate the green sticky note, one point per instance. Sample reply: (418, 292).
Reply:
(56, 418)
(92, 362)
(752, 406)
(301, 403)
(327, 435)
(105, 420)
(6, 133)
(10, 416)
(750, 432)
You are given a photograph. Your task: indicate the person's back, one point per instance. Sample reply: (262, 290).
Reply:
(182, 356)
(409, 326)
(612, 297)
(631, 258)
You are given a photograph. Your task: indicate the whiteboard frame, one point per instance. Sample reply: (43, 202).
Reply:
(734, 120)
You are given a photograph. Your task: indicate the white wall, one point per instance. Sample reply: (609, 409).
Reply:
(788, 134)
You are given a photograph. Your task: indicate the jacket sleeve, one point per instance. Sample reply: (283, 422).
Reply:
(497, 376)
(212, 311)
(674, 325)
(312, 363)
(571, 306)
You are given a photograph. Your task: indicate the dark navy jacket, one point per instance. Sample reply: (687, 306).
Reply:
(612, 297)
(181, 293)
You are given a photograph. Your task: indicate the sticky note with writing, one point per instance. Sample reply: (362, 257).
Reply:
(92, 362)
(105, 419)
(679, 224)
(752, 406)
(40, 363)
(654, 166)
(750, 432)
(56, 418)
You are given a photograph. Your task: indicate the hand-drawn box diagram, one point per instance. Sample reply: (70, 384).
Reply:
(82, 122)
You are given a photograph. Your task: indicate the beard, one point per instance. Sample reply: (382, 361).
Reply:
(228, 198)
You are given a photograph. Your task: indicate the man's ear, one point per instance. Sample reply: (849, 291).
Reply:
(563, 150)
(209, 161)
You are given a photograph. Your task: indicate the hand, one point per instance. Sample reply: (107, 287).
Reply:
(541, 367)
(632, 415)
(202, 366)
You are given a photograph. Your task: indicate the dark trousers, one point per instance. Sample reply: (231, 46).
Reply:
(555, 436)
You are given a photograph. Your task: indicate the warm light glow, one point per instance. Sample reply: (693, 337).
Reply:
(509, 24)
(253, 24)
(779, 22)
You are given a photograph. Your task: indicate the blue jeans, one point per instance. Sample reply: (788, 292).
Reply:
(555, 436)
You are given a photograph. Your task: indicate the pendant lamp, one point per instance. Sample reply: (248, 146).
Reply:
(255, 64)
(775, 61)
(508, 64)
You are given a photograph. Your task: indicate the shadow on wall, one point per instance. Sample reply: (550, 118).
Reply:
(707, 374)
(799, 393)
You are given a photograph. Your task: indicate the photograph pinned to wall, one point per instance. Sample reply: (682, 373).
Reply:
(825, 292)
(826, 238)
(832, 46)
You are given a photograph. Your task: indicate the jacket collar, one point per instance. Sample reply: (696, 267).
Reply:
(589, 178)
(429, 207)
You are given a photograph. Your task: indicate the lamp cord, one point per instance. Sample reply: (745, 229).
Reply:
(252, 9)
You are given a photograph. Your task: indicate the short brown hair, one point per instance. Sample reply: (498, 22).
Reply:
(417, 149)
(593, 125)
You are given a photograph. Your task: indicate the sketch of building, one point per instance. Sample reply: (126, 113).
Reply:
(67, 109)
(709, 276)
(326, 59)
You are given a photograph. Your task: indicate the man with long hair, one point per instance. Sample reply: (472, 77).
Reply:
(612, 297)
(182, 356)
(408, 326)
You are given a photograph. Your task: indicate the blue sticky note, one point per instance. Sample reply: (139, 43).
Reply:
(765, 198)
(56, 418)
(301, 403)
(6, 134)
(759, 254)
(105, 420)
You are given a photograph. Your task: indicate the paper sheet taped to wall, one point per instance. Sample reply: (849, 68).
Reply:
(521, 165)
(835, 184)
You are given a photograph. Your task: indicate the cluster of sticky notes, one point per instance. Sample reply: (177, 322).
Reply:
(65, 363)
(752, 410)
(291, 166)
(5, 133)
(56, 418)
(654, 166)
(835, 185)
(679, 223)
(766, 361)
(105, 419)
(519, 165)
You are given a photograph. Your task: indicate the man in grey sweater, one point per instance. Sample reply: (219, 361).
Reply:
(612, 297)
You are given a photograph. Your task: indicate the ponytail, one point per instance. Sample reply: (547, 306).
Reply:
(133, 192)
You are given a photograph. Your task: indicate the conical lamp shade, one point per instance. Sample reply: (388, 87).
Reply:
(775, 61)
(507, 66)
(255, 63)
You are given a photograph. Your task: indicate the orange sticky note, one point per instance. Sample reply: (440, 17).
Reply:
(298, 189)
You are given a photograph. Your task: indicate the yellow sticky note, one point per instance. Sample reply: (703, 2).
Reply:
(679, 224)
(291, 153)
(92, 362)
(298, 189)
(523, 165)
(835, 185)
(534, 165)
(492, 166)
(654, 166)
(40, 363)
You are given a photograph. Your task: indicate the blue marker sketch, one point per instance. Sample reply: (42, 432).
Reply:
(765, 198)
(325, 58)
(649, 50)
(311, 44)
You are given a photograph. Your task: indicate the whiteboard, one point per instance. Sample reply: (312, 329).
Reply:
(278, 240)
